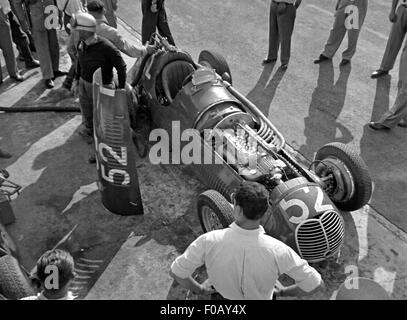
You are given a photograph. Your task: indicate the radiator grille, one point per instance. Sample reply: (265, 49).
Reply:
(320, 238)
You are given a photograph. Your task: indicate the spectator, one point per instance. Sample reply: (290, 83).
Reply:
(243, 262)
(46, 41)
(20, 10)
(397, 115)
(94, 52)
(69, 8)
(282, 19)
(55, 286)
(396, 37)
(22, 42)
(154, 17)
(340, 27)
(6, 43)
(97, 9)
(111, 8)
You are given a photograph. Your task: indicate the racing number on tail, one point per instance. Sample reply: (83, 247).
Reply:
(319, 207)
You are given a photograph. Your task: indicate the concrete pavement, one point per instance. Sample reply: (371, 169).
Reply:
(128, 257)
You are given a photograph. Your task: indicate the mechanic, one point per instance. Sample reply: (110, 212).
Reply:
(94, 52)
(97, 9)
(281, 26)
(154, 17)
(65, 268)
(340, 28)
(243, 262)
(397, 115)
(398, 17)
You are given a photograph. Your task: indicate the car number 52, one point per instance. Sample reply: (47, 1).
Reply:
(319, 207)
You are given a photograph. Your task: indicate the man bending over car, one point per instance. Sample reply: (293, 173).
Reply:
(243, 262)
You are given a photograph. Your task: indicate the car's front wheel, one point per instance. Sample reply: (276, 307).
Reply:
(214, 211)
(345, 176)
(215, 61)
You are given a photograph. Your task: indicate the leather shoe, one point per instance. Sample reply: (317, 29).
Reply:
(344, 62)
(49, 83)
(321, 58)
(59, 73)
(18, 77)
(267, 61)
(378, 126)
(4, 154)
(32, 64)
(379, 73)
(284, 66)
(403, 124)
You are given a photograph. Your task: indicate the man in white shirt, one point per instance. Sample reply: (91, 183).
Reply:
(243, 262)
(97, 9)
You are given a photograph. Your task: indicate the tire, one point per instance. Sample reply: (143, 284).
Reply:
(13, 282)
(216, 61)
(213, 202)
(362, 183)
(7, 242)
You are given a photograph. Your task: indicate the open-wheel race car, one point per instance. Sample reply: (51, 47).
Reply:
(244, 145)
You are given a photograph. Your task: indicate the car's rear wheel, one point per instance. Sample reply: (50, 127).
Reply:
(214, 211)
(13, 282)
(7, 242)
(345, 176)
(215, 61)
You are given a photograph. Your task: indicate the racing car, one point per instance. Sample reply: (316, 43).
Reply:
(304, 202)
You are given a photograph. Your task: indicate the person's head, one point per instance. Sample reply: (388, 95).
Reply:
(96, 8)
(85, 24)
(55, 271)
(250, 201)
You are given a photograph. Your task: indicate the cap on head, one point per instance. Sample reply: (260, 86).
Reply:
(84, 21)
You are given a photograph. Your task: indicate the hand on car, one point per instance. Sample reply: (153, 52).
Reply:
(206, 288)
(151, 49)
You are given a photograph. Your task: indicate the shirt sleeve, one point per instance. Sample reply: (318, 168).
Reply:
(118, 63)
(134, 51)
(191, 259)
(305, 276)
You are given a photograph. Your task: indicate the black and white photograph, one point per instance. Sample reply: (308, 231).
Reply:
(193, 151)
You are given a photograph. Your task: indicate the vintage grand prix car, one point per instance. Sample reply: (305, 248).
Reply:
(245, 145)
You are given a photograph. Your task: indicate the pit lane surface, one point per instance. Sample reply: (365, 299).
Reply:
(312, 105)
(132, 254)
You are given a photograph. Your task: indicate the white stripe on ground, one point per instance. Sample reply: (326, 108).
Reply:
(82, 193)
(385, 278)
(87, 265)
(376, 33)
(84, 271)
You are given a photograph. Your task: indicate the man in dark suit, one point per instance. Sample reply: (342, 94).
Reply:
(154, 17)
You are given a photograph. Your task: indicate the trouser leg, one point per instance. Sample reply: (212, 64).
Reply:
(399, 110)
(149, 21)
(86, 103)
(54, 48)
(395, 40)
(336, 35)
(163, 27)
(353, 34)
(274, 40)
(44, 55)
(285, 28)
(6, 45)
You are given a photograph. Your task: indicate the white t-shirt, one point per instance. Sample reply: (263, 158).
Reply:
(245, 264)
(72, 6)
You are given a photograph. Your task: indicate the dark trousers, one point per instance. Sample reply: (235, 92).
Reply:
(154, 20)
(20, 38)
(280, 31)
